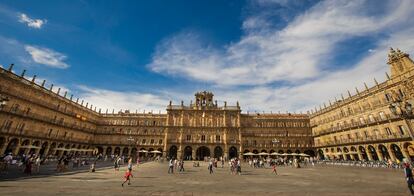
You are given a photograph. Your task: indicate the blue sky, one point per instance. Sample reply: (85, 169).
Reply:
(270, 55)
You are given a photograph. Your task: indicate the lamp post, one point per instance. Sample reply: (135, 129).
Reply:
(404, 110)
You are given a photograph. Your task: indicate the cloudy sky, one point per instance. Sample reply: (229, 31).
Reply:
(270, 55)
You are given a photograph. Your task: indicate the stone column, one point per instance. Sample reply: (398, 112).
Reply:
(379, 154)
(369, 155)
(360, 155)
(391, 153)
(164, 151)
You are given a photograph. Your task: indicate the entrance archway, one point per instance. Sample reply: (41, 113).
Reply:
(42, 150)
(202, 152)
(397, 152)
(173, 152)
(310, 152)
(233, 152)
(373, 153)
(109, 151)
(188, 153)
(218, 152)
(384, 152)
(363, 153)
(320, 154)
(12, 145)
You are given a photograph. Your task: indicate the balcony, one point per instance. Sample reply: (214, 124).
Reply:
(369, 139)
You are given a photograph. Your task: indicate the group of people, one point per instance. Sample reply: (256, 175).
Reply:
(175, 164)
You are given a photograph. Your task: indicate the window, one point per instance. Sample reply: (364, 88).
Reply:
(388, 131)
(144, 141)
(152, 141)
(388, 97)
(371, 118)
(217, 138)
(188, 137)
(362, 120)
(366, 134)
(160, 141)
(402, 130)
(382, 116)
(203, 138)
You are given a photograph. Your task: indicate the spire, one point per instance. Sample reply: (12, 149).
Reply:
(366, 86)
(376, 82)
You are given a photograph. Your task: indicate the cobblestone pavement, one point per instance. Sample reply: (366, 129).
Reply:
(152, 179)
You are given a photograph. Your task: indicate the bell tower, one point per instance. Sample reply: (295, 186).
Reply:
(204, 99)
(399, 62)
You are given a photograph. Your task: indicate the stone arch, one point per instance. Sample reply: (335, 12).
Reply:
(117, 151)
(321, 154)
(43, 148)
(310, 152)
(172, 153)
(289, 151)
(109, 150)
(202, 152)
(271, 151)
(264, 151)
(396, 150)
(280, 152)
(12, 145)
(218, 152)
(125, 151)
(255, 151)
(233, 152)
(384, 152)
(297, 151)
(363, 153)
(373, 153)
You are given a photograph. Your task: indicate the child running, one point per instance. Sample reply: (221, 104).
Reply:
(128, 176)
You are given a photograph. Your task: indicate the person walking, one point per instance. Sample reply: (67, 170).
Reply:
(171, 166)
(274, 168)
(409, 177)
(182, 166)
(128, 176)
(210, 166)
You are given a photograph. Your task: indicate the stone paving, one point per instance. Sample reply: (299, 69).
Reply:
(152, 179)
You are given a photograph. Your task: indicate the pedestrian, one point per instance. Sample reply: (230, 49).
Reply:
(171, 166)
(182, 166)
(7, 161)
(116, 164)
(274, 168)
(28, 166)
(130, 163)
(210, 166)
(128, 176)
(37, 164)
(409, 177)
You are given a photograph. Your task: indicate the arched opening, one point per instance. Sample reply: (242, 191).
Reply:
(264, 151)
(117, 151)
(100, 149)
(232, 152)
(2, 143)
(202, 152)
(134, 152)
(142, 152)
(384, 152)
(12, 145)
(125, 151)
(255, 151)
(173, 152)
(22, 150)
(289, 151)
(397, 152)
(346, 152)
(218, 152)
(271, 151)
(320, 154)
(363, 153)
(43, 148)
(297, 151)
(109, 151)
(373, 153)
(354, 153)
(188, 153)
(310, 153)
(280, 152)
(408, 148)
(51, 148)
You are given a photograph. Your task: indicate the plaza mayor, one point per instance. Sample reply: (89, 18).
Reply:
(198, 118)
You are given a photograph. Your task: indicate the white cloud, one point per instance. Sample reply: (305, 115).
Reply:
(47, 56)
(103, 98)
(294, 53)
(299, 53)
(33, 23)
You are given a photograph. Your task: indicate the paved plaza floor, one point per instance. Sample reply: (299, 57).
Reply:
(152, 179)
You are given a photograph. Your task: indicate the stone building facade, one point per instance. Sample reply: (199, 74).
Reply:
(374, 124)
(45, 121)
